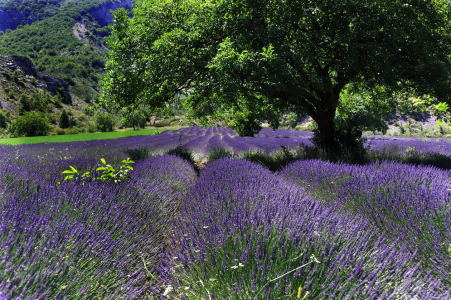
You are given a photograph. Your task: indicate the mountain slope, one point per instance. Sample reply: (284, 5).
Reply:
(55, 42)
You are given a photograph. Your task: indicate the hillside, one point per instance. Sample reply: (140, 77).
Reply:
(49, 95)
(64, 39)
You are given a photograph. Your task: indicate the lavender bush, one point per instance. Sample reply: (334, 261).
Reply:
(313, 230)
(244, 226)
(75, 241)
(409, 203)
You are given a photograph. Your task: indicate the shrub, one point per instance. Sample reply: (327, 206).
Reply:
(60, 131)
(135, 119)
(31, 124)
(2, 120)
(92, 128)
(290, 120)
(139, 153)
(64, 120)
(164, 123)
(105, 122)
(218, 153)
(25, 104)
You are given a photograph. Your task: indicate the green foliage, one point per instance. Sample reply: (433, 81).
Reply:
(55, 50)
(108, 172)
(135, 119)
(39, 101)
(64, 121)
(184, 153)
(92, 128)
(60, 131)
(291, 120)
(24, 104)
(246, 124)
(139, 153)
(104, 122)
(273, 161)
(164, 123)
(218, 153)
(295, 57)
(2, 120)
(31, 124)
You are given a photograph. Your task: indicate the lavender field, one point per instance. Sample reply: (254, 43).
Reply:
(231, 230)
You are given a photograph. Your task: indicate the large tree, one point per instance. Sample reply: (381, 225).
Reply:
(258, 58)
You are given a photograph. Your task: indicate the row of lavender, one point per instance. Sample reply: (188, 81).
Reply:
(83, 239)
(241, 227)
(201, 140)
(248, 233)
(412, 204)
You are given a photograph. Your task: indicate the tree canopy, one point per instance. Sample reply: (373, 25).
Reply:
(256, 59)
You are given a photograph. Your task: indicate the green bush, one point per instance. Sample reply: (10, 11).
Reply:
(136, 154)
(64, 120)
(92, 128)
(290, 120)
(135, 119)
(164, 123)
(104, 122)
(31, 124)
(2, 120)
(218, 153)
(60, 131)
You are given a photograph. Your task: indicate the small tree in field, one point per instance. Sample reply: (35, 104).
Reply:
(2, 120)
(31, 124)
(135, 119)
(257, 58)
(104, 122)
(64, 120)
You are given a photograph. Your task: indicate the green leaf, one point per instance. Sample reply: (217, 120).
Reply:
(67, 172)
(73, 169)
(103, 161)
(68, 177)
(101, 168)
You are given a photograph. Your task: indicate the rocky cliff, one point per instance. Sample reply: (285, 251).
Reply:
(102, 14)
(12, 19)
(22, 69)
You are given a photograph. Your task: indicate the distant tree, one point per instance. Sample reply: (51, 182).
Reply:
(104, 122)
(292, 119)
(2, 120)
(25, 104)
(257, 57)
(31, 124)
(1, 32)
(135, 119)
(64, 120)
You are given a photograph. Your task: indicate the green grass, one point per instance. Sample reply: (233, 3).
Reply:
(80, 137)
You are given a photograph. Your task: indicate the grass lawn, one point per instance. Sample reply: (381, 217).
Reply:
(83, 136)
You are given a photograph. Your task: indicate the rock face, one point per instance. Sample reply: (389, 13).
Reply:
(102, 13)
(12, 19)
(26, 69)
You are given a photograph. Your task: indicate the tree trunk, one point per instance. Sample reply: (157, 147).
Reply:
(324, 116)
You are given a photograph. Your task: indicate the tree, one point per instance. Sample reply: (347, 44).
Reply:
(64, 120)
(2, 120)
(104, 122)
(31, 124)
(264, 57)
(135, 119)
(25, 104)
